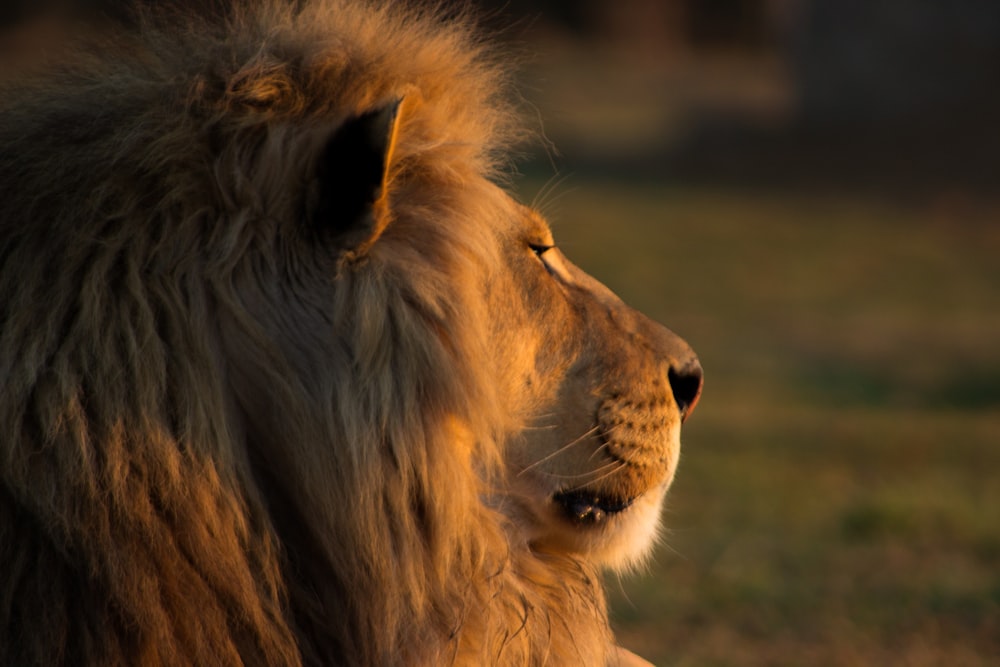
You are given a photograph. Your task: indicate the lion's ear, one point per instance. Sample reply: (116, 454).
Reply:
(346, 203)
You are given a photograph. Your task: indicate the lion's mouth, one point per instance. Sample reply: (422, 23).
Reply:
(587, 507)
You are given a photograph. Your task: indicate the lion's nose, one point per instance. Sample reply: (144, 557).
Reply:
(686, 381)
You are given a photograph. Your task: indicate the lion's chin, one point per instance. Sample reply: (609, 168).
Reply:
(617, 533)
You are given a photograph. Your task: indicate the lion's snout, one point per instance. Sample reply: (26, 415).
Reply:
(637, 430)
(639, 425)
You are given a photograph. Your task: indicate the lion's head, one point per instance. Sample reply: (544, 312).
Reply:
(288, 377)
(604, 391)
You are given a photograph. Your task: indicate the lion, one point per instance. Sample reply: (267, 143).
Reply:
(289, 378)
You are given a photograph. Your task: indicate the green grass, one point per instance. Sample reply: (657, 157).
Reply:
(838, 500)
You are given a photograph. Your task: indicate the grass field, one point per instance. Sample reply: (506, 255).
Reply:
(838, 500)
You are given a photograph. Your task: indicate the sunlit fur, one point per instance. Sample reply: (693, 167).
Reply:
(225, 439)
(213, 449)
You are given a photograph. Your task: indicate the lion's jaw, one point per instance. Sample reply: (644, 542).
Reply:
(605, 505)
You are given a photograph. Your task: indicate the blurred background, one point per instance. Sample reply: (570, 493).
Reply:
(808, 191)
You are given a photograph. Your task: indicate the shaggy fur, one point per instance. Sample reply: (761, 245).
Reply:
(287, 378)
(220, 446)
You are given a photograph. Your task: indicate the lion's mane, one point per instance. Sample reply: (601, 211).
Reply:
(181, 480)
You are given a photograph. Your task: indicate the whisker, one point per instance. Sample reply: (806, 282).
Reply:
(541, 200)
(540, 427)
(589, 432)
(538, 419)
(615, 427)
(588, 473)
(618, 465)
(604, 445)
(553, 197)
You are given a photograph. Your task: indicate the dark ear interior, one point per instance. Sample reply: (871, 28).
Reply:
(350, 177)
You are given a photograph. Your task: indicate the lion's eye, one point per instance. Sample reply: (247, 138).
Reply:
(550, 260)
(540, 248)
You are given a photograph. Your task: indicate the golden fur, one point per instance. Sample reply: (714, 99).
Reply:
(224, 442)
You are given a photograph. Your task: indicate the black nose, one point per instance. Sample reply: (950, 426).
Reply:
(686, 382)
